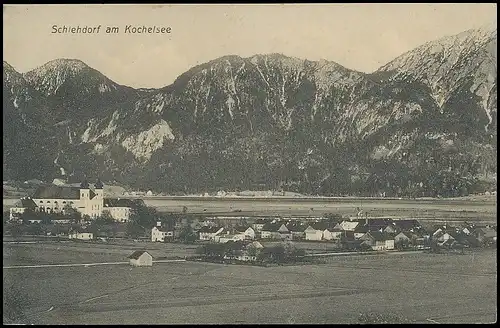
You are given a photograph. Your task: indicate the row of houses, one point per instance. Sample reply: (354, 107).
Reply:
(379, 234)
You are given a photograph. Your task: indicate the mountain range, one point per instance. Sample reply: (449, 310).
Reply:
(423, 124)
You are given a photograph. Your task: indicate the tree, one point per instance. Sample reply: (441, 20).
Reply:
(187, 235)
(434, 247)
(233, 248)
(134, 230)
(84, 218)
(143, 215)
(107, 217)
(213, 250)
(72, 213)
(6, 216)
(35, 229)
(252, 251)
(273, 254)
(16, 230)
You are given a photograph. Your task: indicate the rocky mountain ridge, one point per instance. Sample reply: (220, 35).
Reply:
(423, 123)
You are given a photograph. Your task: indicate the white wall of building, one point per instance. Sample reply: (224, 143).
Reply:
(92, 207)
(121, 214)
(159, 235)
(314, 234)
(81, 235)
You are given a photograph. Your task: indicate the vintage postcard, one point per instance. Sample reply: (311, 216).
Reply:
(249, 164)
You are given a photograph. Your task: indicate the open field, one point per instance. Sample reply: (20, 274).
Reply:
(421, 287)
(83, 252)
(483, 209)
(453, 209)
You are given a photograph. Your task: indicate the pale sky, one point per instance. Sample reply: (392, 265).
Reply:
(362, 37)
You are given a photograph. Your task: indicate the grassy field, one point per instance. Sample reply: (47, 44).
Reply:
(444, 288)
(83, 252)
(483, 209)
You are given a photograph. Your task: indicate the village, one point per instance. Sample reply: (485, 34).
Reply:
(83, 214)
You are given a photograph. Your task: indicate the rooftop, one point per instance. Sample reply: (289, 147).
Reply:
(118, 202)
(56, 192)
(208, 229)
(135, 255)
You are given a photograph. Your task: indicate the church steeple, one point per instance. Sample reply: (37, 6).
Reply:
(84, 184)
(98, 184)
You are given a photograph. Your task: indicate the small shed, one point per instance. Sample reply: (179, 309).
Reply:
(141, 258)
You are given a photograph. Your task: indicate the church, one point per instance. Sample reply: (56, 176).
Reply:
(88, 200)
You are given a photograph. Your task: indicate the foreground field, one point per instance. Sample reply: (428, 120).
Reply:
(81, 252)
(421, 287)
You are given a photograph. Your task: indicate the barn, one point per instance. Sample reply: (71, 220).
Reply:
(141, 258)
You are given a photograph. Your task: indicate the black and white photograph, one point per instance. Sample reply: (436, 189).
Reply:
(250, 164)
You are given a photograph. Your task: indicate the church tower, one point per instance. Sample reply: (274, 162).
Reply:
(99, 189)
(84, 196)
(99, 196)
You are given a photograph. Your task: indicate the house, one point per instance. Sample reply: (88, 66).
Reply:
(328, 233)
(378, 241)
(439, 230)
(297, 229)
(407, 225)
(246, 251)
(26, 203)
(229, 237)
(378, 223)
(285, 234)
(315, 230)
(85, 235)
(270, 230)
(402, 238)
(86, 199)
(391, 228)
(360, 231)
(61, 220)
(348, 241)
(140, 258)
(313, 234)
(442, 236)
(347, 225)
(160, 234)
(118, 208)
(485, 234)
(208, 233)
(248, 232)
(332, 233)
(468, 239)
(259, 224)
(467, 230)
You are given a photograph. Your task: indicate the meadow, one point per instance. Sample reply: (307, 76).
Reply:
(422, 288)
(479, 209)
